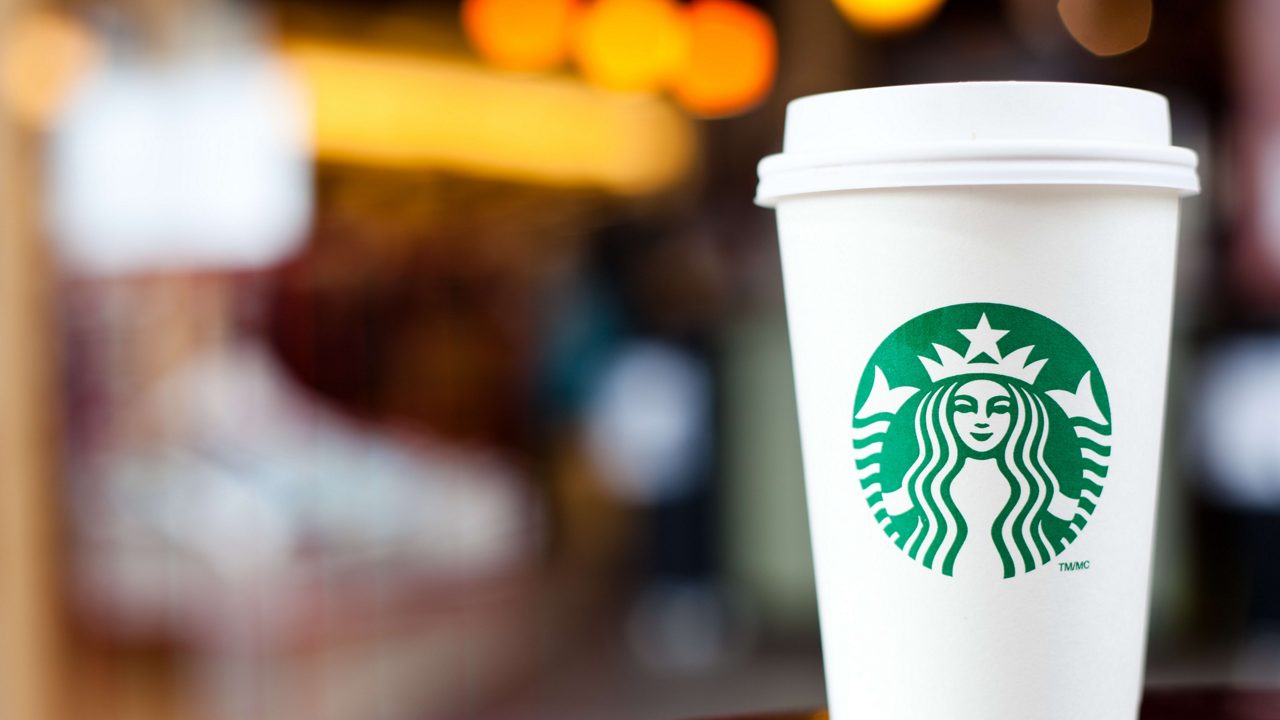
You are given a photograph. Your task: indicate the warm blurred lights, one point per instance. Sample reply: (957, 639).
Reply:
(523, 35)
(43, 56)
(632, 45)
(1107, 27)
(718, 57)
(733, 58)
(888, 16)
(409, 111)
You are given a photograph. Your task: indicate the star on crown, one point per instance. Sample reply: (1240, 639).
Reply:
(983, 343)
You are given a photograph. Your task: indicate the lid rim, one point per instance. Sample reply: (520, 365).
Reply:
(986, 150)
(778, 186)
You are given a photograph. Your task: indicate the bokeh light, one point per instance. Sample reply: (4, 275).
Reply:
(43, 56)
(888, 16)
(523, 35)
(733, 58)
(407, 111)
(632, 45)
(1107, 27)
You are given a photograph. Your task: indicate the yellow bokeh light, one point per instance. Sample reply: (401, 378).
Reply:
(43, 56)
(888, 16)
(733, 58)
(631, 45)
(524, 35)
(401, 110)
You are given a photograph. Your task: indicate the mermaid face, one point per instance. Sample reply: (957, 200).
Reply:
(980, 412)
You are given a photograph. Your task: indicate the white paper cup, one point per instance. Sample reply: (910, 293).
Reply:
(979, 285)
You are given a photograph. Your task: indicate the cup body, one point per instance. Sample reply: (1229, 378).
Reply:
(981, 521)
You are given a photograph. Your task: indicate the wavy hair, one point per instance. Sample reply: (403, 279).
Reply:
(1018, 532)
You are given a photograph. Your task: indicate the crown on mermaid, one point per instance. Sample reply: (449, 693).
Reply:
(984, 344)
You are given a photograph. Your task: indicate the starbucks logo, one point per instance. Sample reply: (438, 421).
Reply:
(981, 436)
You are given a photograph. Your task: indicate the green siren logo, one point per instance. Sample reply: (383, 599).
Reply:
(981, 436)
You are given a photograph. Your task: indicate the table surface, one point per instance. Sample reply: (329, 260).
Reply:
(1160, 704)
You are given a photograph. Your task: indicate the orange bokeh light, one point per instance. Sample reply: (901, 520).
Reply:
(888, 16)
(633, 45)
(522, 35)
(1107, 28)
(733, 58)
(43, 56)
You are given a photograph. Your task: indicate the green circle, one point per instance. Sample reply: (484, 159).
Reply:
(1043, 417)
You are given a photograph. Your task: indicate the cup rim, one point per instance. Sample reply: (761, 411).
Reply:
(1010, 162)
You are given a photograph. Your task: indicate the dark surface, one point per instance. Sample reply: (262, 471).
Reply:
(1202, 704)
(1211, 704)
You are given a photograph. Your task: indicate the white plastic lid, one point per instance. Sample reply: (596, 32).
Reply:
(979, 133)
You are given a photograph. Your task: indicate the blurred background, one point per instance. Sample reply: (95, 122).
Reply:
(392, 359)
